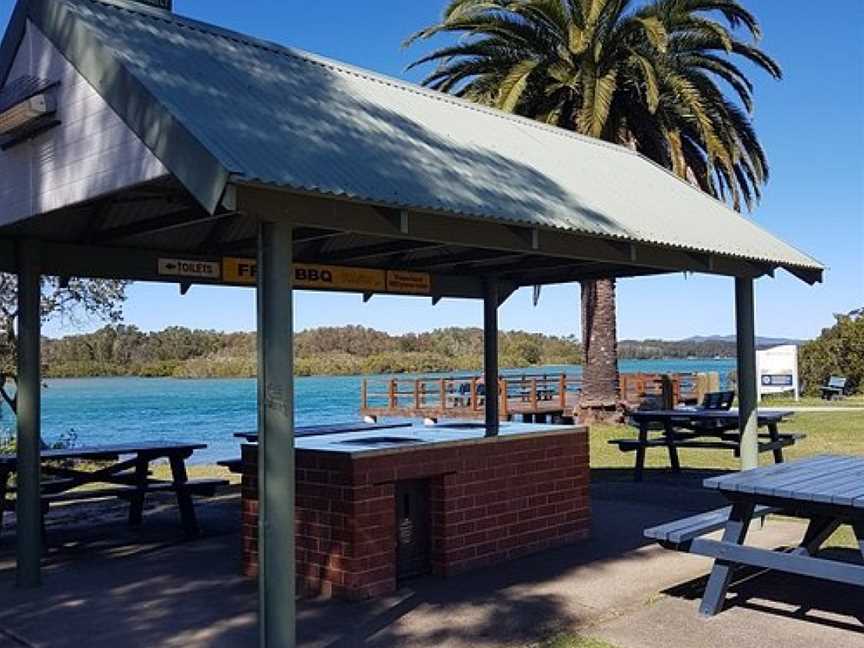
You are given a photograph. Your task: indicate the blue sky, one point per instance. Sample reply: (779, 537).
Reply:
(811, 124)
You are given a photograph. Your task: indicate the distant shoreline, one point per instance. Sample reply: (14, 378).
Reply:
(554, 367)
(178, 352)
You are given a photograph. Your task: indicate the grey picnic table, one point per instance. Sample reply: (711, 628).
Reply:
(701, 428)
(826, 490)
(120, 470)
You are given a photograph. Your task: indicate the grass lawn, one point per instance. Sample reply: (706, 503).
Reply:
(856, 400)
(197, 471)
(827, 432)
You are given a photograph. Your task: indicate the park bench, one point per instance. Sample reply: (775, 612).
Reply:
(835, 388)
(720, 400)
(825, 490)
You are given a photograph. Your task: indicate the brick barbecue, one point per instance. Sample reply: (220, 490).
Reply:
(444, 501)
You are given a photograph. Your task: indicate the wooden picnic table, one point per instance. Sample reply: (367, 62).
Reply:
(121, 470)
(701, 428)
(826, 490)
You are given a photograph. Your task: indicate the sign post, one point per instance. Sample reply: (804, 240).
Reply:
(777, 369)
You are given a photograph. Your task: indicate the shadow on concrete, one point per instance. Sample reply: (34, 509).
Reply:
(660, 487)
(108, 585)
(790, 596)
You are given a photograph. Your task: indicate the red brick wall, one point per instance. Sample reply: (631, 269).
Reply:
(490, 502)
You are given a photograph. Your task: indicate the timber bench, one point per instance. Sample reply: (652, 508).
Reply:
(700, 428)
(122, 471)
(825, 490)
(679, 534)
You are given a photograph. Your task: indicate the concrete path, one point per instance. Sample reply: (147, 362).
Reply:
(108, 586)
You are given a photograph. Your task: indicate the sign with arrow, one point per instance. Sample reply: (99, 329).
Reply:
(194, 268)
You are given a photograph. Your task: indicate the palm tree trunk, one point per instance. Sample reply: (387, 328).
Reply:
(600, 346)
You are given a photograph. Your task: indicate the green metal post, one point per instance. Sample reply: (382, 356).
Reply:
(490, 355)
(747, 389)
(275, 437)
(28, 506)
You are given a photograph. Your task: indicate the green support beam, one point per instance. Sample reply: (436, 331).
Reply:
(314, 211)
(28, 509)
(490, 355)
(747, 389)
(276, 437)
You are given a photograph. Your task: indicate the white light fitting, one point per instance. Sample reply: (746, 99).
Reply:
(21, 114)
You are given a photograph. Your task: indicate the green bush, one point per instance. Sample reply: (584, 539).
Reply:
(838, 351)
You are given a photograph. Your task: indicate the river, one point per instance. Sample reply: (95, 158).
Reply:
(120, 410)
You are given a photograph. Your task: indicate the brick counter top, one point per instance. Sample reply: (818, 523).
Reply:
(418, 436)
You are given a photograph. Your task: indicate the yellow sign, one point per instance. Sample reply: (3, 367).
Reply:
(310, 275)
(338, 278)
(239, 271)
(413, 283)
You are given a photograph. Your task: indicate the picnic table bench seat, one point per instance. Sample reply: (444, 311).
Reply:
(198, 487)
(721, 442)
(677, 534)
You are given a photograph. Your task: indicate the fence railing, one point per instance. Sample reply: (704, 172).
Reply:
(534, 392)
(467, 392)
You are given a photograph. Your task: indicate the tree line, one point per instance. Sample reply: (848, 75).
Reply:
(838, 351)
(125, 350)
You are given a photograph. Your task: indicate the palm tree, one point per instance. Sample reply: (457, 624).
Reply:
(646, 75)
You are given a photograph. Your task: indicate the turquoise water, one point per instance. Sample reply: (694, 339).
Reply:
(119, 410)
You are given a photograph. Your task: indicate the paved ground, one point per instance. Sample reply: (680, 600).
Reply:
(108, 586)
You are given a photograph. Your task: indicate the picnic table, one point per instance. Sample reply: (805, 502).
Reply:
(701, 428)
(826, 490)
(120, 470)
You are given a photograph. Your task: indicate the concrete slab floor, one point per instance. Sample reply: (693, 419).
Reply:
(107, 585)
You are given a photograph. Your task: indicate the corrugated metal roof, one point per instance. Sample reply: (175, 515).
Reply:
(277, 116)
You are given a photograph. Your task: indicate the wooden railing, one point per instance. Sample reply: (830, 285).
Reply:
(467, 392)
(461, 395)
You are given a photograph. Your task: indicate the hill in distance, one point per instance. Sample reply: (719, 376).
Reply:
(760, 341)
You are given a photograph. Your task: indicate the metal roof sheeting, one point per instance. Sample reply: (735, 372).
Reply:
(277, 116)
